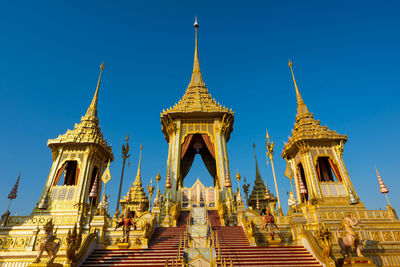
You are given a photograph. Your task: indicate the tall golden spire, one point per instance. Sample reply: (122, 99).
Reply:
(92, 110)
(301, 107)
(197, 79)
(138, 179)
(258, 175)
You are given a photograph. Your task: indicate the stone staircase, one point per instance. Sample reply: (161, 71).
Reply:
(233, 244)
(235, 247)
(162, 246)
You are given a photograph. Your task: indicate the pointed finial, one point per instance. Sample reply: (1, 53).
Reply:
(168, 182)
(228, 180)
(138, 179)
(127, 138)
(258, 175)
(158, 177)
(92, 110)
(352, 198)
(382, 186)
(197, 78)
(238, 176)
(14, 190)
(267, 192)
(266, 135)
(302, 187)
(93, 191)
(44, 202)
(301, 107)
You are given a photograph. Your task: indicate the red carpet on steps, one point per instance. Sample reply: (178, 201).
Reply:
(234, 245)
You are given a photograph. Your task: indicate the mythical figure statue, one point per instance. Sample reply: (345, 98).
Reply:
(126, 224)
(292, 202)
(102, 209)
(324, 238)
(349, 238)
(269, 224)
(48, 243)
(73, 243)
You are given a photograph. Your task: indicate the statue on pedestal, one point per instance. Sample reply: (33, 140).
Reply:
(349, 238)
(269, 224)
(49, 243)
(126, 224)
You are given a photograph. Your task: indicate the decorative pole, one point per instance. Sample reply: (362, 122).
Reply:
(270, 154)
(125, 155)
(11, 196)
(382, 187)
(246, 190)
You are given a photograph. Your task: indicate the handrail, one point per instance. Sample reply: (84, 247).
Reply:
(311, 243)
(84, 249)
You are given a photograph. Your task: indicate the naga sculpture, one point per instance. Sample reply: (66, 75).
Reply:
(324, 238)
(73, 243)
(49, 243)
(349, 238)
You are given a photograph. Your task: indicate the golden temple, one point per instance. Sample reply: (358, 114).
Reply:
(198, 225)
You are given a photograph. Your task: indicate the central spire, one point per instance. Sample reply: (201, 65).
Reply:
(258, 175)
(301, 107)
(138, 179)
(197, 79)
(92, 110)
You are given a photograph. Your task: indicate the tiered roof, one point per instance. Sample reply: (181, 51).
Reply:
(307, 129)
(88, 130)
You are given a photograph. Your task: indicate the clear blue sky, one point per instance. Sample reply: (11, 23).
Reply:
(346, 61)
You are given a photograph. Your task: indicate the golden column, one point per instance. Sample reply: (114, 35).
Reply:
(125, 155)
(270, 154)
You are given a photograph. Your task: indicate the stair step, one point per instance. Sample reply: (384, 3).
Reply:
(233, 242)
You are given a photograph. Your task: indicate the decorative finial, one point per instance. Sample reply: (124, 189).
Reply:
(303, 189)
(238, 176)
(14, 190)
(168, 182)
(158, 177)
(267, 192)
(352, 198)
(301, 107)
(127, 138)
(228, 180)
(93, 191)
(197, 78)
(382, 186)
(92, 110)
(138, 179)
(44, 202)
